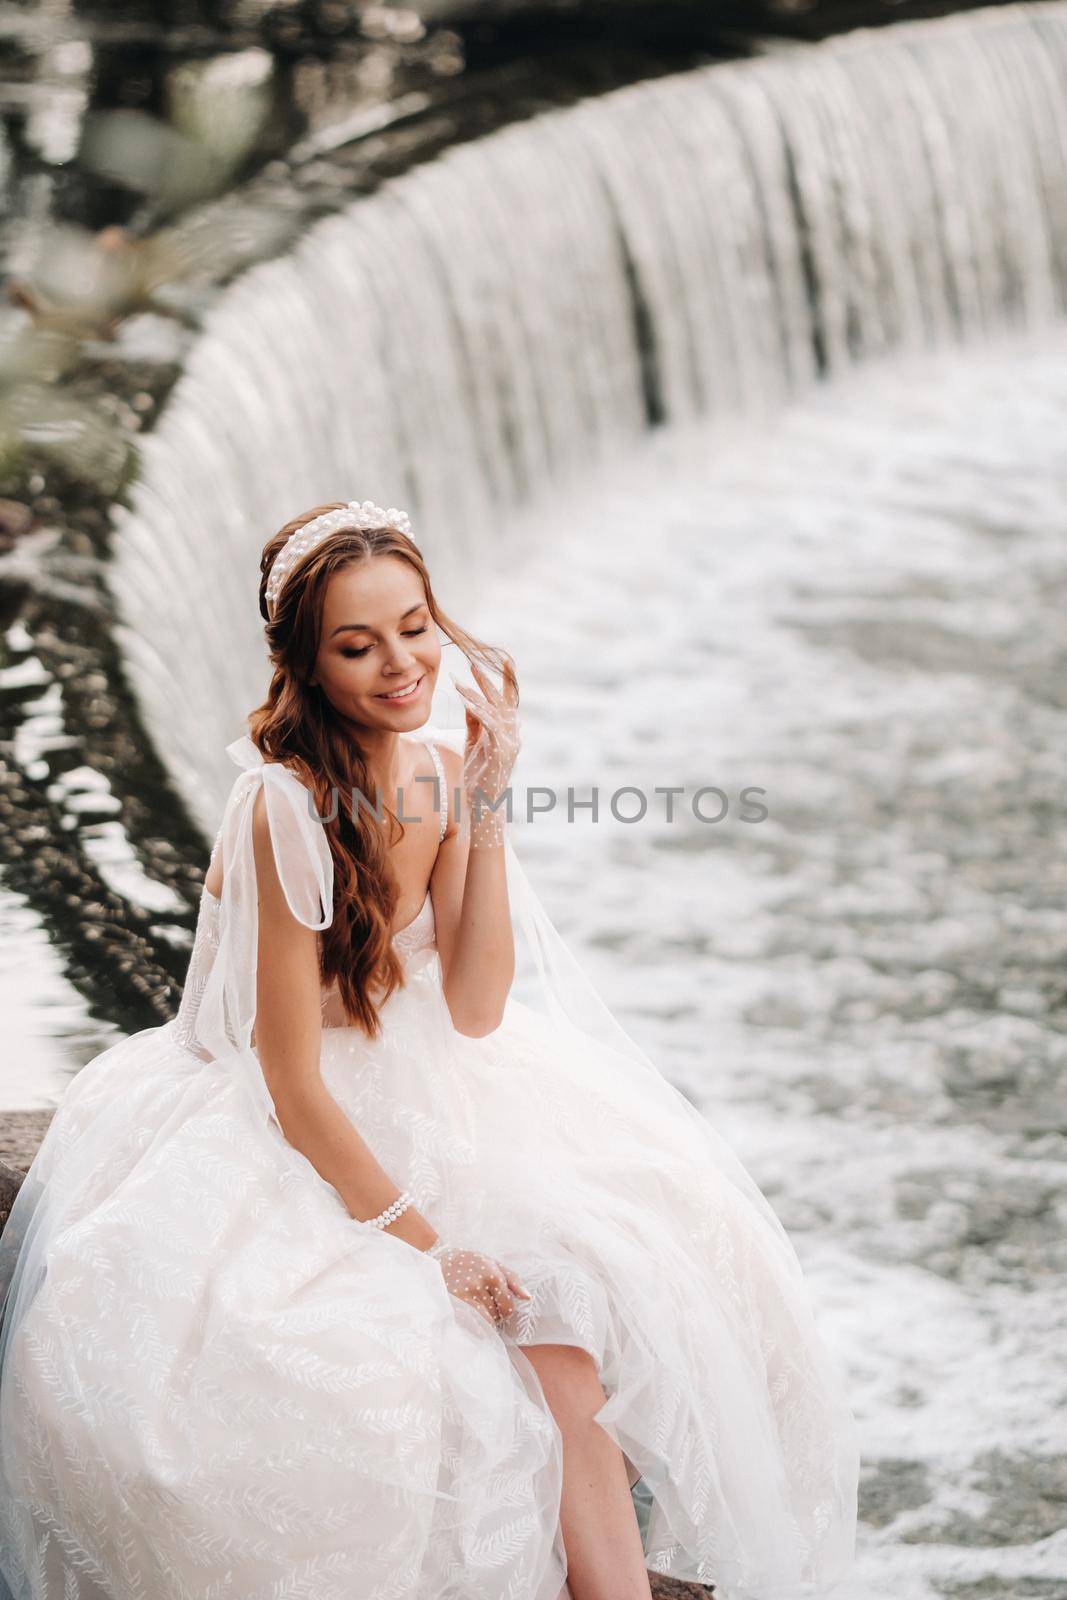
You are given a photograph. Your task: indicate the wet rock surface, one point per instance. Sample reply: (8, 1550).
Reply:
(20, 1134)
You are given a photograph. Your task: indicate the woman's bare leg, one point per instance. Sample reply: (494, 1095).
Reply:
(605, 1558)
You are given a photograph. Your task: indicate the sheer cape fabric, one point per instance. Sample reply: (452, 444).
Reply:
(221, 985)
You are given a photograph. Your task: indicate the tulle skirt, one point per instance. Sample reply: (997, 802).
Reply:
(213, 1382)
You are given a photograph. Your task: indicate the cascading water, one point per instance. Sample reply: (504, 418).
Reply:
(481, 331)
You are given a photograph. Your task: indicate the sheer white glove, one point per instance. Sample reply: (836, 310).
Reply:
(482, 1282)
(493, 744)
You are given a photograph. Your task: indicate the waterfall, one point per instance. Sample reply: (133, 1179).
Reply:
(479, 331)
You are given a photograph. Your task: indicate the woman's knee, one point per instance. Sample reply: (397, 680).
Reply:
(569, 1378)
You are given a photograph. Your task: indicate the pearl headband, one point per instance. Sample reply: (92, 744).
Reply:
(356, 514)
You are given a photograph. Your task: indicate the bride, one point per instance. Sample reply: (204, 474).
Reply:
(391, 1264)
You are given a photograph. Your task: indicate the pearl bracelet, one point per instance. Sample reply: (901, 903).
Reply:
(390, 1214)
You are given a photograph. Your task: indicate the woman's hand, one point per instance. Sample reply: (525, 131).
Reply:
(483, 1283)
(493, 744)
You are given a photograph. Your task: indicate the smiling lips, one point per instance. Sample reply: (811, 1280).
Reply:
(401, 694)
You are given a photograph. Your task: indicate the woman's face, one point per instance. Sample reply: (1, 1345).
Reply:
(378, 636)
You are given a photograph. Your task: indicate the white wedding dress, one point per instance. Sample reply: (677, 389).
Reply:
(217, 1383)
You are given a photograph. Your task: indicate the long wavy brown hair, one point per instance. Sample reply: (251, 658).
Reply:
(296, 725)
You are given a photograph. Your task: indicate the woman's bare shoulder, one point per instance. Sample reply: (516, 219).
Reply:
(452, 760)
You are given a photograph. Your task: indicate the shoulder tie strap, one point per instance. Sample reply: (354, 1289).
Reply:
(227, 1006)
(443, 781)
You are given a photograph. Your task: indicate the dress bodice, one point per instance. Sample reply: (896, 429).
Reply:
(415, 936)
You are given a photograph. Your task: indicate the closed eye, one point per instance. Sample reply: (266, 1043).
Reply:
(410, 633)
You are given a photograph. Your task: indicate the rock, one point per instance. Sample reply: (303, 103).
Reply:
(16, 519)
(21, 1133)
(10, 1183)
(670, 1589)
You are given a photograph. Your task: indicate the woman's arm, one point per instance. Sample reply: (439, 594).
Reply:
(288, 1039)
(473, 921)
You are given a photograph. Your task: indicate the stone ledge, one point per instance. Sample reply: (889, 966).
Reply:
(20, 1134)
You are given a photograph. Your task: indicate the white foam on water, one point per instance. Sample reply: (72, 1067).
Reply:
(849, 608)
